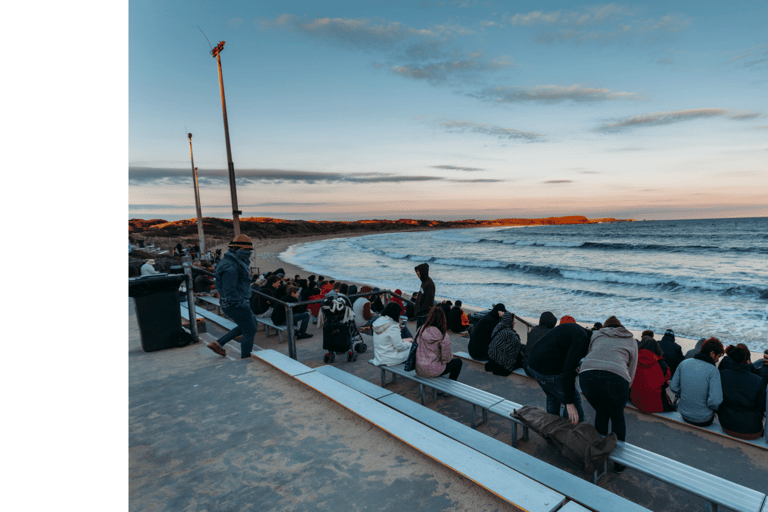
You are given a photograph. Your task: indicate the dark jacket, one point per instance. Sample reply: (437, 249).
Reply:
(673, 354)
(762, 370)
(726, 363)
(743, 400)
(558, 353)
(278, 313)
(547, 321)
(454, 320)
(481, 335)
(258, 303)
(426, 297)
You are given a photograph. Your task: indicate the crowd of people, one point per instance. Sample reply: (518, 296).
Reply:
(609, 364)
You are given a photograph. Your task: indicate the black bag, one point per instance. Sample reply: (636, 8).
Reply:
(410, 363)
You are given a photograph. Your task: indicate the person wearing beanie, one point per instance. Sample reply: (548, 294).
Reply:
(426, 296)
(605, 377)
(554, 362)
(673, 353)
(148, 269)
(480, 338)
(233, 282)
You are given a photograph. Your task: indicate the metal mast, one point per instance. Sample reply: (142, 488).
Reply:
(200, 234)
(216, 52)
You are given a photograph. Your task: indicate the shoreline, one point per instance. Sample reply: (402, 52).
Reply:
(267, 257)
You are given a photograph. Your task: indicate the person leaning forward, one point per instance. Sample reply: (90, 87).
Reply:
(233, 281)
(554, 361)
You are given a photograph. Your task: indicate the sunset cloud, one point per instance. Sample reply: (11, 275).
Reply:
(455, 168)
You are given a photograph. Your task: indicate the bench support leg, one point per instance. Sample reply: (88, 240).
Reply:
(483, 416)
(279, 335)
(596, 477)
(421, 392)
(514, 435)
(711, 507)
(384, 377)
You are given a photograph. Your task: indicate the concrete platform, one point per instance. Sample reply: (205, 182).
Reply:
(213, 433)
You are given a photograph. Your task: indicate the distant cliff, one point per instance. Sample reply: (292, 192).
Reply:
(265, 227)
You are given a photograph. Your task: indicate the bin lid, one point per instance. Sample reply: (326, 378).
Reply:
(145, 285)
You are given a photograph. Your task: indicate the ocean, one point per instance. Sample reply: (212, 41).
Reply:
(700, 278)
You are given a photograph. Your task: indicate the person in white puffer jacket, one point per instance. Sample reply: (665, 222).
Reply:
(388, 345)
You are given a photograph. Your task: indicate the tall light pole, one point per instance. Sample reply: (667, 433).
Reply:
(216, 52)
(200, 234)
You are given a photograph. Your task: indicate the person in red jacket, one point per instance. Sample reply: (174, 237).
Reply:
(649, 389)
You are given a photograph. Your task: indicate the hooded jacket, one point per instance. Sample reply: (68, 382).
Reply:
(743, 404)
(480, 339)
(612, 349)
(233, 278)
(673, 354)
(558, 353)
(697, 383)
(388, 346)
(547, 321)
(426, 297)
(433, 352)
(505, 347)
(649, 384)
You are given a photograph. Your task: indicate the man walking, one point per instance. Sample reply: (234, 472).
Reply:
(233, 282)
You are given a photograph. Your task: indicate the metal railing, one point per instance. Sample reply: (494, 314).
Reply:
(290, 305)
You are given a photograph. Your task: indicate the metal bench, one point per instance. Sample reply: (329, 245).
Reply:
(266, 322)
(218, 320)
(477, 397)
(210, 300)
(715, 490)
(561, 481)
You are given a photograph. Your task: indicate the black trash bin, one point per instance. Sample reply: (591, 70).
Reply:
(156, 298)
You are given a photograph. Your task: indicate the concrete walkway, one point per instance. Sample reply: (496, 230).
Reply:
(213, 433)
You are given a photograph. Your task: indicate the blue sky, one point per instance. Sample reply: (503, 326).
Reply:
(451, 109)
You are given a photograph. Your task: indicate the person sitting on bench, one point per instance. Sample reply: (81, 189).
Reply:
(300, 313)
(457, 319)
(547, 321)
(433, 353)
(697, 383)
(649, 389)
(481, 335)
(505, 352)
(388, 345)
(741, 413)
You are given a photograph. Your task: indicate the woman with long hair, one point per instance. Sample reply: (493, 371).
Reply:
(649, 389)
(433, 354)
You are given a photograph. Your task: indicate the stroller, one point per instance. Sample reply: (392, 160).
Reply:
(340, 331)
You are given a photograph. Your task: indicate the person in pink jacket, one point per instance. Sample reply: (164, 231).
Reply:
(433, 354)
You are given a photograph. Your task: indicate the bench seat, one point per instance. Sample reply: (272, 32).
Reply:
(713, 489)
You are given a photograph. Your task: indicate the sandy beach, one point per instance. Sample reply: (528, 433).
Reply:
(267, 258)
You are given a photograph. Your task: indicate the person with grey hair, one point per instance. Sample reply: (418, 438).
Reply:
(148, 269)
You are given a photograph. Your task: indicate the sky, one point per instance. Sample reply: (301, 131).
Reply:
(450, 109)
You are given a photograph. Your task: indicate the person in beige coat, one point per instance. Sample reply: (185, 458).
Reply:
(388, 345)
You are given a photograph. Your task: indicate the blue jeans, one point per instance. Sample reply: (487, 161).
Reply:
(304, 318)
(246, 327)
(607, 393)
(553, 388)
(405, 333)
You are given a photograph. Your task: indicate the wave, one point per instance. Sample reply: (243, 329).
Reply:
(619, 246)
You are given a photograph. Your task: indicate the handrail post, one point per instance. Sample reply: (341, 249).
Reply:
(191, 301)
(291, 337)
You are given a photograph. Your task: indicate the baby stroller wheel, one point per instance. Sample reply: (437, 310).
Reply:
(326, 358)
(363, 347)
(350, 354)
